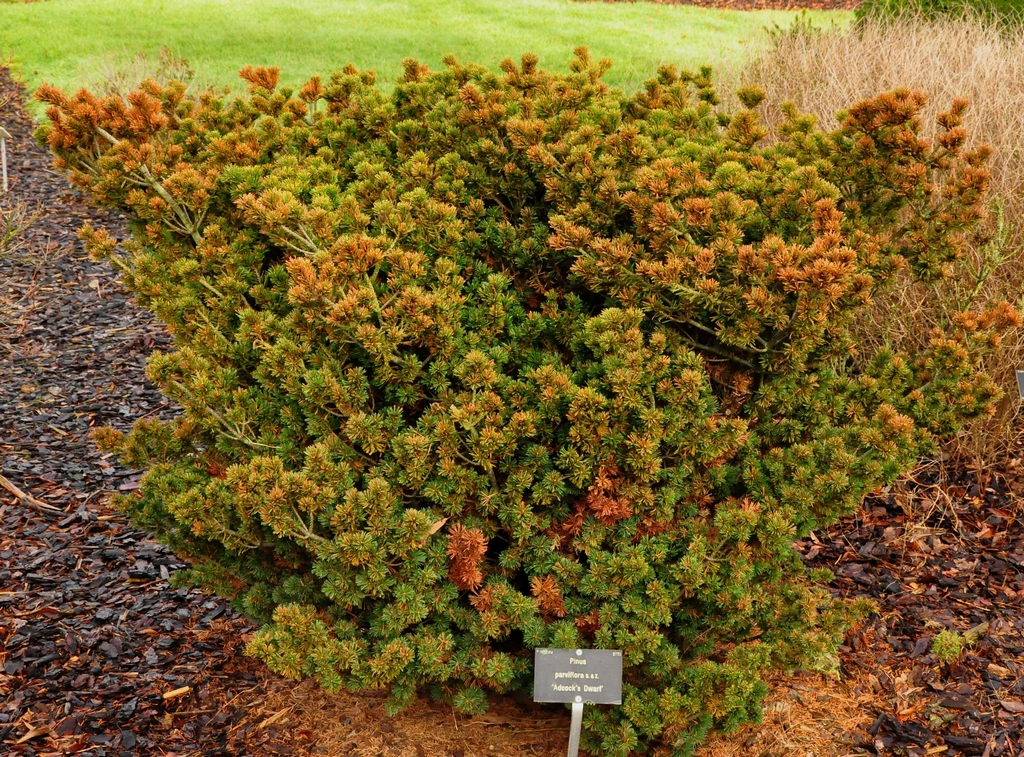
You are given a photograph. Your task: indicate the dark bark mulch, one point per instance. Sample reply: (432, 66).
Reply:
(942, 551)
(98, 654)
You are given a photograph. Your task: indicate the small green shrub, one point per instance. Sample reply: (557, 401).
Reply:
(498, 361)
(947, 646)
(1009, 10)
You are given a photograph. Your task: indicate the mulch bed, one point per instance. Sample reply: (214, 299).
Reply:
(942, 551)
(100, 656)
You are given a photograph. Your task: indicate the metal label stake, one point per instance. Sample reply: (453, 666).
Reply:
(4, 136)
(575, 728)
(1020, 383)
(577, 677)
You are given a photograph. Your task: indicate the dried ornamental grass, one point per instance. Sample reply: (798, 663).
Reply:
(826, 70)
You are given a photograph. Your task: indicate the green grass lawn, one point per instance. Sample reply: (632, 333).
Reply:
(69, 42)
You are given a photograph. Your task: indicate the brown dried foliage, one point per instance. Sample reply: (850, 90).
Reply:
(589, 624)
(483, 600)
(466, 548)
(603, 496)
(261, 77)
(546, 590)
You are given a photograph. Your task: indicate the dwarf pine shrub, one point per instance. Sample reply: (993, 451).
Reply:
(495, 361)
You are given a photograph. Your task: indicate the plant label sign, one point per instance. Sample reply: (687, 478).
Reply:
(577, 677)
(1020, 383)
(593, 676)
